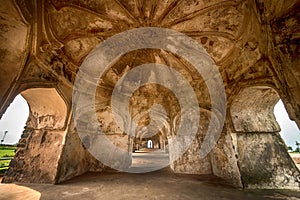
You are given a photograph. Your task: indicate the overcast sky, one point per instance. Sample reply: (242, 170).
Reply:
(14, 120)
(17, 113)
(289, 130)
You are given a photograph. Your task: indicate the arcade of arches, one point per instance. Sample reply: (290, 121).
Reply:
(254, 43)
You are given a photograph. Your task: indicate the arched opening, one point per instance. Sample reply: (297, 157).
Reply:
(38, 151)
(149, 144)
(262, 154)
(12, 125)
(47, 108)
(289, 132)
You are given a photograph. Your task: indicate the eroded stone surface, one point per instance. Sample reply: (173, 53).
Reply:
(252, 110)
(254, 43)
(264, 162)
(14, 47)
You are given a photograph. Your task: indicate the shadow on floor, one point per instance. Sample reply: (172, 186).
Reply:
(162, 184)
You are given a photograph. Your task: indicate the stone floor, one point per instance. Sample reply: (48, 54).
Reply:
(162, 184)
(147, 160)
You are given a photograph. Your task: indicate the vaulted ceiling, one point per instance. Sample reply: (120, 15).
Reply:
(45, 42)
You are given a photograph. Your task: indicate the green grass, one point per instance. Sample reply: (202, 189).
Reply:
(4, 163)
(8, 147)
(6, 152)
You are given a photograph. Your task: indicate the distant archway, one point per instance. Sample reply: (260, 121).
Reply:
(150, 144)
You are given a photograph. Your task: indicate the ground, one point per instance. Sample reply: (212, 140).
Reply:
(296, 159)
(162, 184)
(156, 185)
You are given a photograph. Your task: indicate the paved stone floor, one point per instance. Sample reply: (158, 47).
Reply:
(147, 160)
(162, 184)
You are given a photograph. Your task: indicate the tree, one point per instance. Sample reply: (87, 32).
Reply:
(298, 144)
(290, 148)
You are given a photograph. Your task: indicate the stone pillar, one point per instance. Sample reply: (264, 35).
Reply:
(15, 167)
(224, 161)
(262, 155)
(190, 162)
(36, 158)
(41, 144)
(265, 163)
(75, 159)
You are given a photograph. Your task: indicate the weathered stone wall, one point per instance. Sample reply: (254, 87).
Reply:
(37, 156)
(75, 159)
(221, 161)
(279, 21)
(252, 110)
(14, 39)
(190, 162)
(224, 161)
(41, 143)
(252, 42)
(265, 163)
(262, 155)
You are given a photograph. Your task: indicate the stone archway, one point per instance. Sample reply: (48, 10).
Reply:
(42, 141)
(262, 156)
(44, 42)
